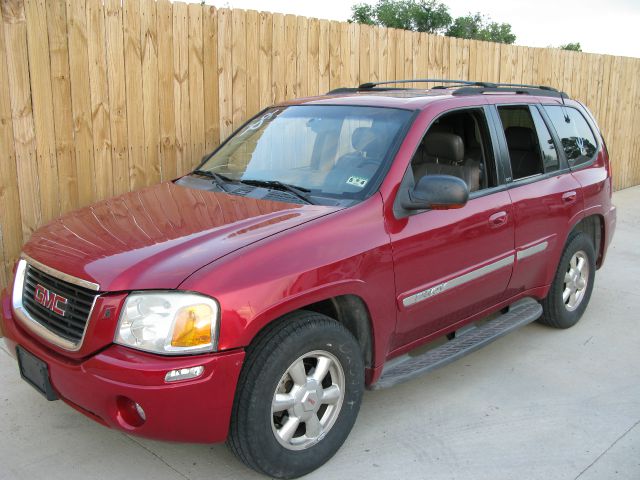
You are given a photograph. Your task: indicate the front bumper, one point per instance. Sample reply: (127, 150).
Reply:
(196, 410)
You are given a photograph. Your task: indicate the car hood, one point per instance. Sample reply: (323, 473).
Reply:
(156, 237)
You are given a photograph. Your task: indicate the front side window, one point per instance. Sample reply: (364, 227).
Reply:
(330, 152)
(458, 143)
(578, 141)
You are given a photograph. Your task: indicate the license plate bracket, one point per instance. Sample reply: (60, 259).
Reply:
(36, 373)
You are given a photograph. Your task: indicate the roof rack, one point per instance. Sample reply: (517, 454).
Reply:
(463, 87)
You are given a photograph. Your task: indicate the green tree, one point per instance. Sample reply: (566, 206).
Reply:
(575, 47)
(478, 27)
(430, 16)
(418, 15)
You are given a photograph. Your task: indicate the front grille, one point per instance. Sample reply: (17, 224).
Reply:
(71, 325)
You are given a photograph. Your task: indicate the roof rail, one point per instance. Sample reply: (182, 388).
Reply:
(463, 87)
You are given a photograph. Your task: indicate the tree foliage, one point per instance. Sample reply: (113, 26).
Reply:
(417, 15)
(575, 47)
(478, 27)
(430, 16)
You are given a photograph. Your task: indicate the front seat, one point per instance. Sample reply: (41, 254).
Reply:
(443, 154)
(523, 151)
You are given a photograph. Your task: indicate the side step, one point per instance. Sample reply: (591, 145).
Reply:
(407, 367)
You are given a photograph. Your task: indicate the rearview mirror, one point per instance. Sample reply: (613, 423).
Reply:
(437, 192)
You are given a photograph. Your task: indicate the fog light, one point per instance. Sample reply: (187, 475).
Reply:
(140, 411)
(184, 374)
(130, 413)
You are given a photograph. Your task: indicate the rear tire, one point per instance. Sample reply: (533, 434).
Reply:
(571, 289)
(298, 396)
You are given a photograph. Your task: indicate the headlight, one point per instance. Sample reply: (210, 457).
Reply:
(170, 323)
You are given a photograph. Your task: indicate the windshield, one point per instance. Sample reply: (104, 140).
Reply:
(327, 151)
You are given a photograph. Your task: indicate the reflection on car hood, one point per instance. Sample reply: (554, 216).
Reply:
(156, 237)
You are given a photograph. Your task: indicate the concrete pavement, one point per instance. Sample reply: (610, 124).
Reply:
(537, 404)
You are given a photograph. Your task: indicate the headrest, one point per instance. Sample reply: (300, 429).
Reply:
(447, 146)
(519, 138)
(361, 137)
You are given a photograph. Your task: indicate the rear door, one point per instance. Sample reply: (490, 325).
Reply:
(546, 198)
(451, 264)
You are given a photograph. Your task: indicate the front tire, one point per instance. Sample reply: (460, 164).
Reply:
(571, 289)
(298, 396)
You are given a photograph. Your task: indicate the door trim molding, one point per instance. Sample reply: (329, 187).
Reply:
(458, 281)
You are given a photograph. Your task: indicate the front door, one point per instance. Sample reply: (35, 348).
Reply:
(451, 264)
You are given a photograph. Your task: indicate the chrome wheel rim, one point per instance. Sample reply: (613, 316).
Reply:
(576, 280)
(307, 400)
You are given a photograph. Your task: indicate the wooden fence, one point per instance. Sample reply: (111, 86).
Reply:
(98, 97)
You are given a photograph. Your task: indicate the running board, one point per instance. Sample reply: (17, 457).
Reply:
(407, 367)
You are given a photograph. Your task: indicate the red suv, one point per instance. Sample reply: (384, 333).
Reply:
(255, 298)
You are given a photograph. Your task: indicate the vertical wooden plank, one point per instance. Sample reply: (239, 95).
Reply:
(407, 61)
(365, 54)
(100, 114)
(135, 108)
(374, 58)
(15, 37)
(225, 73)
(10, 213)
(81, 100)
(544, 66)
(391, 53)
(335, 59)
(435, 66)
(181, 99)
(354, 54)
(42, 102)
(507, 63)
(278, 69)
(475, 68)
(62, 113)
(324, 70)
(291, 66)
(313, 63)
(210, 66)
(196, 84)
(264, 59)
(166, 107)
(253, 65)
(604, 95)
(150, 95)
(463, 57)
(302, 48)
(496, 66)
(418, 58)
(383, 52)
(116, 78)
(399, 57)
(345, 59)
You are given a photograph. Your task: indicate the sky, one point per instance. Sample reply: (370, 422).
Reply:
(601, 26)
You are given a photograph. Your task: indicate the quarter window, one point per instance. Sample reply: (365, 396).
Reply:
(578, 141)
(547, 147)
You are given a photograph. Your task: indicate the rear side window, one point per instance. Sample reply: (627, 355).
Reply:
(531, 148)
(578, 141)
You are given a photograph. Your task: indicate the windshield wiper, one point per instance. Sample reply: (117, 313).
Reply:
(220, 180)
(300, 192)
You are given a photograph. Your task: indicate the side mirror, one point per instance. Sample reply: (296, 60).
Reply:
(437, 192)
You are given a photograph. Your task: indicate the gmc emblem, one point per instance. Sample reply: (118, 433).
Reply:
(50, 300)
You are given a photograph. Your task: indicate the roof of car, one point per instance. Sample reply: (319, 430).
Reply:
(381, 94)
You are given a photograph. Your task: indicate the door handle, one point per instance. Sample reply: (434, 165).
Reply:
(569, 197)
(498, 219)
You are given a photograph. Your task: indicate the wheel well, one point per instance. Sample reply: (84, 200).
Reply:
(352, 312)
(593, 226)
